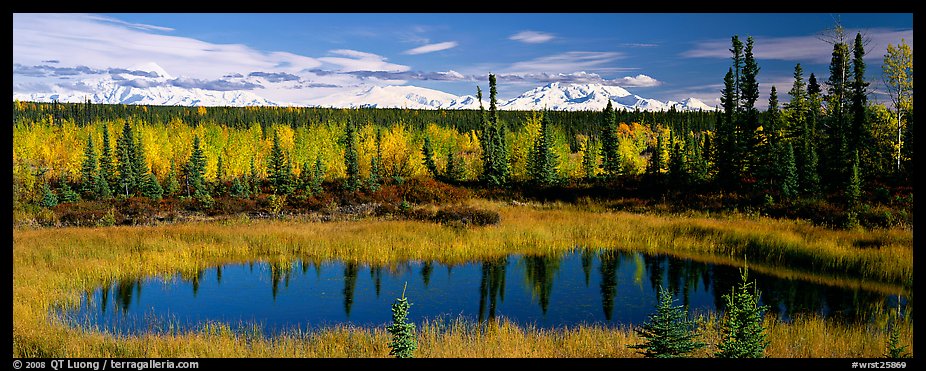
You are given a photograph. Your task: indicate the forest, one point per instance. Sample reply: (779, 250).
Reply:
(828, 151)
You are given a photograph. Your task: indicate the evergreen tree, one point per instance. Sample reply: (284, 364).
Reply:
(238, 189)
(219, 173)
(742, 333)
(589, 160)
(657, 163)
(125, 154)
(374, 181)
(543, 160)
(677, 167)
(107, 170)
(770, 158)
(67, 194)
(195, 170)
(318, 176)
(750, 138)
(151, 188)
(278, 168)
(808, 177)
(854, 185)
(894, 348)
(49, 198)
(728, 154)
(837, 157)
(610, 161)
(350, 157)
(171, 184)
(102, 191)
(88, 170)
(404, 343)
(859, 133)
(253, 179)
(789, 181)
(305, 179)
(496, 169)
(668, 333)
(428, 152)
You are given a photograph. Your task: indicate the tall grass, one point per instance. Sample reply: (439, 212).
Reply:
(52, 268)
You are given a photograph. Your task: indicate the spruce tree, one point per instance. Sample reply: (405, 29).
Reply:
(107, 170)
(854, 185)
(728, 154)
(543, 160)
(858, 138)
(238, 189)
(656, 160)
(789, 181)
(102, 190)
(151, 188)
(677, 168)
(610, 159)
(404, 343)
(195, 170)
(305, 179)
(67, 194)
(49, 198)
(220, 175)
(668, 333)
(374, 181)
(750, 140)
(318, 176)
(125, 154)
(742, 333)
(350, 158)
(278, 168)
(427, 151)
(495, 168)
(88, 170)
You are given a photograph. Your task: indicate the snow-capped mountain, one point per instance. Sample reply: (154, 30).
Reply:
(554, 96)
(157, 87)
(149, 84)
(412, 97)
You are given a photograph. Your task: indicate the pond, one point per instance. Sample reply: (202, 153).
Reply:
(585, 286)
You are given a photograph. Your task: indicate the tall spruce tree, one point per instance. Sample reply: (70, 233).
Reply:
(854, 183)
(350, 157)
(859, 132)
(195, 170)
(789, 177)
(750, 138)
(318, 176)
(543, 160)
(427, 151)
(455, 166)
(125, 154)
(88, 171)
(495, 167)
(171, 184)
(140, 164)
(610, 161)
(728, 154)
(107, 170)
(668, 333)
(772, 170)
(279, 169)
(836, 129)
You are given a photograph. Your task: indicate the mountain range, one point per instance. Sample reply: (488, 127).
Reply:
(157, 87)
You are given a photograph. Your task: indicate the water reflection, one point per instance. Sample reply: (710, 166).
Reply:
(544, 290)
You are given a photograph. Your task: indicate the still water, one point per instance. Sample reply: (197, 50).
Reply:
(585, 286)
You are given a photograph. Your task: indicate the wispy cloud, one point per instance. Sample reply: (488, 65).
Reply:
(639, 45)
(808, 48)
(361, 61)
(430, 48)
(102, 42)
(532, 37)
(274, 76)
(568, 62)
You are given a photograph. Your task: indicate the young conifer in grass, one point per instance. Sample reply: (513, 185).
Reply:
(668, 333)
(742, 333)
(403, 343)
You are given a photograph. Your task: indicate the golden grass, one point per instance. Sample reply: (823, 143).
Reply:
(52, 268)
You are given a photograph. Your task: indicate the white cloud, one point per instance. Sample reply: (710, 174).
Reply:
(568, 62)
(361, 61)
(640, 80)
(430, 48)
(532, 37)
(101, 42)
(808, 48)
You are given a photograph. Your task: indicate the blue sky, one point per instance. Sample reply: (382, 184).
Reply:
(299, 57)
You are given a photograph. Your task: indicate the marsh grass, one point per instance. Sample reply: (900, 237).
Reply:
(54, 267)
